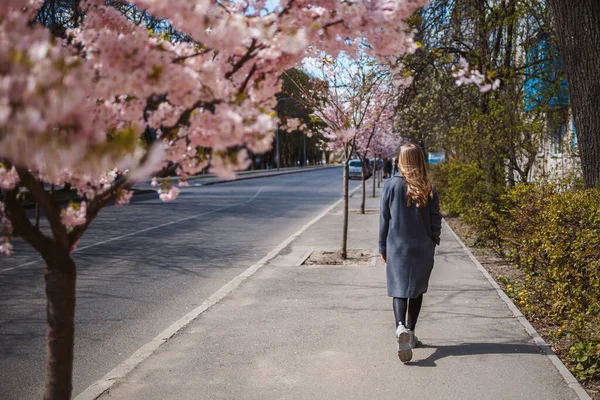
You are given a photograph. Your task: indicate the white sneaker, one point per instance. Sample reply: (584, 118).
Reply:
(403, 338)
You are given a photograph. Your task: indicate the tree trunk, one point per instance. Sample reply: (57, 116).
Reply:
(344, 250)
(578, 30)
(37, 215)
(374, 176)
(60, 277)
(363, 188)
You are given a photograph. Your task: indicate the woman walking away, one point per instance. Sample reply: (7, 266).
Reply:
(409, 229)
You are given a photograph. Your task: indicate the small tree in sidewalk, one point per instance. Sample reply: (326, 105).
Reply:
(336, 105)
(77, 110)
(356, 105)
(376, 125)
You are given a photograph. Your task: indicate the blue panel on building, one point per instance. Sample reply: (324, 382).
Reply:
(545, 83)
(436, 158)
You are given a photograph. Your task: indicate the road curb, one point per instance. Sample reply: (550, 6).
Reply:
(539, 341)
(100, 387)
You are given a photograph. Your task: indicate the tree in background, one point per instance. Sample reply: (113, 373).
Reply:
(577, 25)
(295, 143)
(376, 125)
(491, 45)
(355, 105)
(75, 104)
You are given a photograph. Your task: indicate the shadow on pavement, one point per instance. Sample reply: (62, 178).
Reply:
(472, 349)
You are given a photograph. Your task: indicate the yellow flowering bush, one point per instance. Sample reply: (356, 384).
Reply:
(554, 237)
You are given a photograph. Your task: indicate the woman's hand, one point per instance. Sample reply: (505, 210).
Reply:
(383, 257)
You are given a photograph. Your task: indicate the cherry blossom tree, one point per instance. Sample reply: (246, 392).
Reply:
(385, 144)
(376, 125)
(357, 105)
(75, 109)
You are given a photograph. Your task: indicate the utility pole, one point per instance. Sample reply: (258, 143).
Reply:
(423, 148)
(277, 132)
(277, 145)
(304, 139)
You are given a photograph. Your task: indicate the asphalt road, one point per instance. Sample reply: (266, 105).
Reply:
(143, 266)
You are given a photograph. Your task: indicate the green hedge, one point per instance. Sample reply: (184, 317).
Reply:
(553, 236)
(460, 186)
(463, 191)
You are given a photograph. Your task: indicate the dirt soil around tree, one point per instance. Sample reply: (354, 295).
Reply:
(355, 257)
(507, 276)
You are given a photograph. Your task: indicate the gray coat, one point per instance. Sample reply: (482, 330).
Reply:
(407, 236)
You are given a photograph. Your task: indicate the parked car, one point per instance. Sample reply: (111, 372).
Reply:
(355, 169)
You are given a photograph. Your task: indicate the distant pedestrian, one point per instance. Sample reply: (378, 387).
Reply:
(409, 229)
(388, 168)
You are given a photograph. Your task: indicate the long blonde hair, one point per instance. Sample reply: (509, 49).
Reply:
(411, 162)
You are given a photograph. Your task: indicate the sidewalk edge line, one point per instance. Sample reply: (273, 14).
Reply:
(102, 385)
(374, 257)
(305, 257)
(571, 381)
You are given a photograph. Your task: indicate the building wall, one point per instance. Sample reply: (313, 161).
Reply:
(558, 155)
(547, 87)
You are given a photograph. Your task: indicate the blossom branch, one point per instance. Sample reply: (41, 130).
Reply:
(187, 57)
(22, 225)
(250, 53)
(94, 207)
(48, 203)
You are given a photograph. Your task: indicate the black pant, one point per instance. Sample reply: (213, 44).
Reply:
(401, 304)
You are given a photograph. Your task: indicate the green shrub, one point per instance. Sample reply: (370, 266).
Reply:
(463, 191)
(554, 237)
(584, 359)
(460, 186)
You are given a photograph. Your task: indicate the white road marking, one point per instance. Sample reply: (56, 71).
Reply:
(19, 266)
(99, 387)
(255, 196)
(140, 231)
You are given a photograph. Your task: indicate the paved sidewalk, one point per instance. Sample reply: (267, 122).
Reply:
(323, 332)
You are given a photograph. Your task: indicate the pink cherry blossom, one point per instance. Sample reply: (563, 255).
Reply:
(8, 178)
(293, 124)
(6, 247)
(169, 194)
(465, 75)
(74, 215)
(123, 197)
(74, 110)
